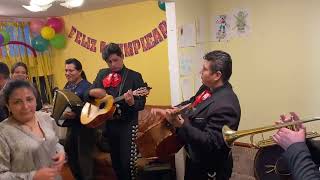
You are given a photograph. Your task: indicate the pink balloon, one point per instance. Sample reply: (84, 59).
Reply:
(36, 25)
(56, 23)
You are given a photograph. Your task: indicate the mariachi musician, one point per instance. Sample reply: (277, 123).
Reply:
(80, 140)
(288, 154)
(215, 105)
(302, 156)
(118, 80)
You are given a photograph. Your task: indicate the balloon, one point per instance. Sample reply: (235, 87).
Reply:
(1, 39)
(6, 37)
(39, 44)
(36, 25)
(162, 5)
(56, 23)
(59, 41)
(47, 32)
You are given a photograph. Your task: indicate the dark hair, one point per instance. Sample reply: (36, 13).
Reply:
(18, 64)
(4, 70)
(77, 65)
(220, 61)
(16, 84)
(110, 49)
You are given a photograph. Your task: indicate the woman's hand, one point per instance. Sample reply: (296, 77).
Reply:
(59, 160)
(45, 174)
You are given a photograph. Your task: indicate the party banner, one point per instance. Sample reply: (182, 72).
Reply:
(131, 48)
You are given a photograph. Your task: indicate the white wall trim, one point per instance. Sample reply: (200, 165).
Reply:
(174, 75)
(173, 53)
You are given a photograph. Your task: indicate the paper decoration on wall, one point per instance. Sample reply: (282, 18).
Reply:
(185, 66)
(202, 29)
(240, 22)
(187, 88)
(131, 48)
(221, 27)
(199, 52)
(187, 35)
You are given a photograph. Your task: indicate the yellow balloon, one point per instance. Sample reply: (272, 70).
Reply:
(47, 32)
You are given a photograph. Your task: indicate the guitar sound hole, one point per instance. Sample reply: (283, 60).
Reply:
(102, 105)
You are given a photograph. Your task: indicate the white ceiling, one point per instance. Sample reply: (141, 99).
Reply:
(13, 8)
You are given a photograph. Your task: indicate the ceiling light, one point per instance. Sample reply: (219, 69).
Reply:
(43, 5)
(41, 2)
(72, 3)
(35, 8)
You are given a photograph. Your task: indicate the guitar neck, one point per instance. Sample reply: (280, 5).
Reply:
(117, 99)
(137, 92)
(183, 108)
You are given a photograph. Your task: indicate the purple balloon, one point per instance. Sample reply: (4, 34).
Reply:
(1, 39)
(56, 23)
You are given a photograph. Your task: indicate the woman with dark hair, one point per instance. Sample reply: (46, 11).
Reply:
(4, 78)
(4, 75)
(19, 71)
(29, 147)
(80, 140)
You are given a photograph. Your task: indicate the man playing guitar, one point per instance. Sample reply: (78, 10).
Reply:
(121, 131)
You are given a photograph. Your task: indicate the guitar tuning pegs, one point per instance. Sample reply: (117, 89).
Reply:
(146, 85)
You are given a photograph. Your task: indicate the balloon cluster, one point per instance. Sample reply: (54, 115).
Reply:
(47, 33)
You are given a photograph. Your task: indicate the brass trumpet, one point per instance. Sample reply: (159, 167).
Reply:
(230, 136)
(269, 142)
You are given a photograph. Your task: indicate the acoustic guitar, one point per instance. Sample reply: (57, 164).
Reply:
(94, 114)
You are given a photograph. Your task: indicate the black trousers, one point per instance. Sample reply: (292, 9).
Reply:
(197, 171)
(121, 135)
(80, 143)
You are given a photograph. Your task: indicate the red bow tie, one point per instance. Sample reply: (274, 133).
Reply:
(112, 79)
(201, 97)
